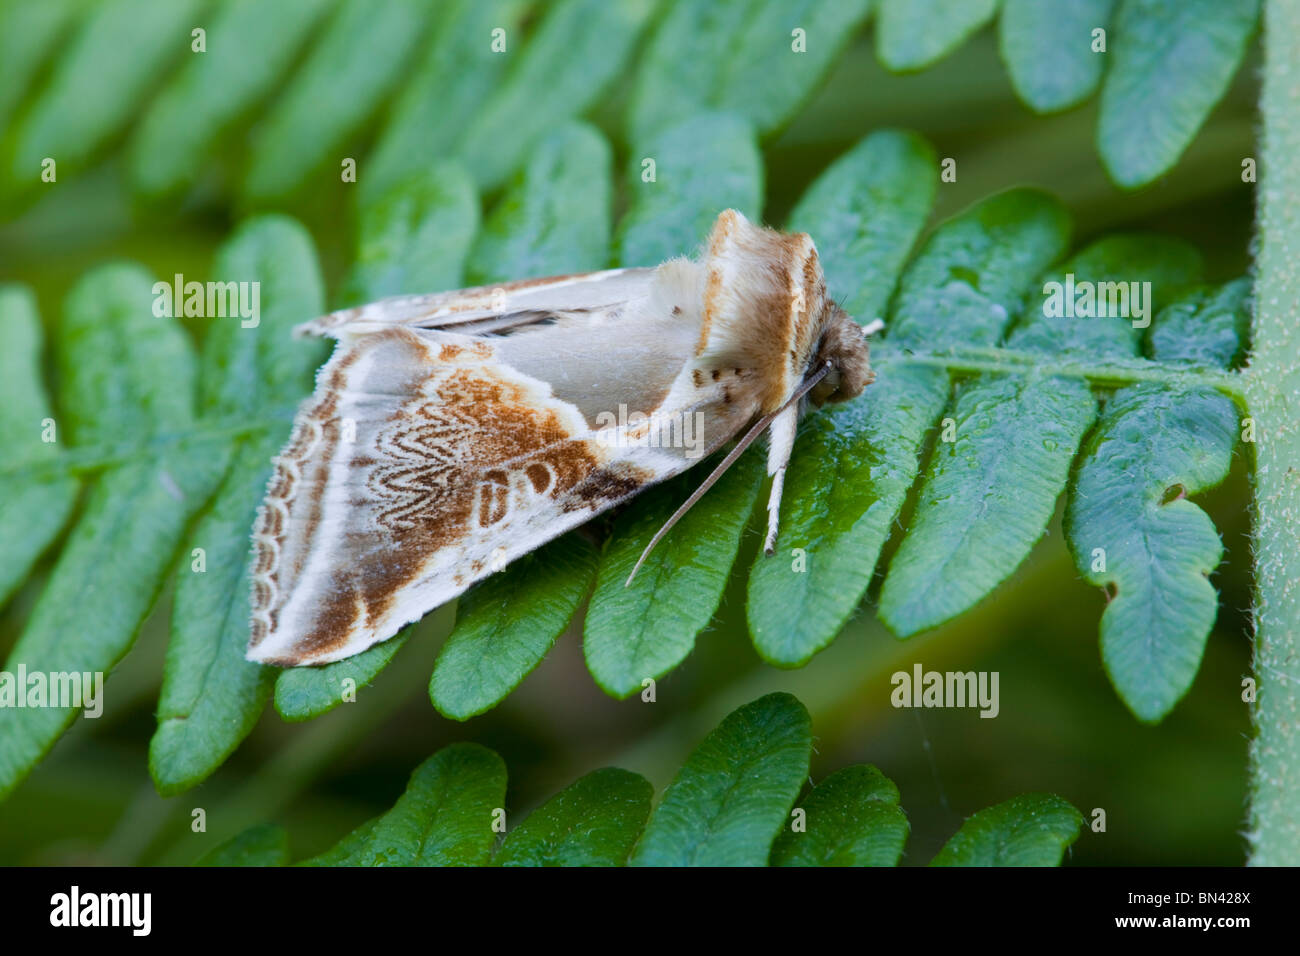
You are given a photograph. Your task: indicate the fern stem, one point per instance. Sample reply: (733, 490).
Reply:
(1273, 392)
(974, 360)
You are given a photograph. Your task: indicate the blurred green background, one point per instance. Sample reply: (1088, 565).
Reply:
(1173, 794)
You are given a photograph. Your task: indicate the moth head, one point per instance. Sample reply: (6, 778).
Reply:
(844, 346)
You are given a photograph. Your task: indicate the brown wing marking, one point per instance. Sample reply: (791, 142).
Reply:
(465, 447)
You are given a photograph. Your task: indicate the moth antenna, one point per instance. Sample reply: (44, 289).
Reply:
(872, 327)
(755, 430)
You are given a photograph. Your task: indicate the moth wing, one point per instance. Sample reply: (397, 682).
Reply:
(427, 459)
(490, 308)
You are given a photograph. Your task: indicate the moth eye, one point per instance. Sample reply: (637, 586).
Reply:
(826, 390)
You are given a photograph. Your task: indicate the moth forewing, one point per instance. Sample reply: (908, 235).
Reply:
(450, 434)
(464, 309)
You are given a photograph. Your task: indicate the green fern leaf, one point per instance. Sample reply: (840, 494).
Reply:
(701, 166)
(641, 631)
(1157, 551)
(95, 90)
(766, 72)
(865, 213)
(852, 466)
(1034, 829)
(912, 34)
(728, 802)
(1172, 61)
(1205, 327)
(33, 509)
(305, 693)
(262, 845)
(29, 31)
(848, 478)
(987, 496)
(593, 822)
(415, 237)
(978, 270)
(506, 625)
(123, 372)
(973, 274)
(1047, 46)
(357, 62)
(1169, 264)
(853, 819)
(734, 793)
(989, 493)
(457, 74)
(555, 217)
(1130, 525)
(445, 817)
(211, 696)
(249, 47)
(574, 54)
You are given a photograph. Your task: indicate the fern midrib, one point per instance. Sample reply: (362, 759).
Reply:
(231, 602)
(721, 807)
(90, 459)
(960, 362)
(977, 360)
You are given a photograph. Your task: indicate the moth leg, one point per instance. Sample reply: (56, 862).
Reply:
(774, 511)
(783, 423)
(781, 437)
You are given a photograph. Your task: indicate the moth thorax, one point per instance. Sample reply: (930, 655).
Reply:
(845, 347)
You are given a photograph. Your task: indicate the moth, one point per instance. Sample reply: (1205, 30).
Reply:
(449, 434)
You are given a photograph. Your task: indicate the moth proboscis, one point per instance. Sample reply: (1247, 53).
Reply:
(452, 433)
